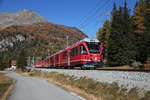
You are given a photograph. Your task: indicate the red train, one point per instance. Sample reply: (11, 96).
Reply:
(86, 53)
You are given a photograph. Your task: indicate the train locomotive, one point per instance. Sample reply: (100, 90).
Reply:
(87, 53)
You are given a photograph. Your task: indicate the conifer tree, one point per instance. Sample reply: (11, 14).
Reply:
(1, 61)
(139, 31)
(5, 61)
(120, 47)
(114, 43)
(147, 26)
(129, 40)
(21, 59)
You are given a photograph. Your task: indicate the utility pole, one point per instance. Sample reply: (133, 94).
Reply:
(67, 41)
(33, 62)
(68, 51)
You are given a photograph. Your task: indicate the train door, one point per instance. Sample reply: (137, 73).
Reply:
(83, 53)
(64, 58)
(47, 61)
(56, 60)
(75, 57)
(50, 62)
(59, 56)
(68, 57)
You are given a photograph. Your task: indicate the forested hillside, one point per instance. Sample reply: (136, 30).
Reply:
(127, 36)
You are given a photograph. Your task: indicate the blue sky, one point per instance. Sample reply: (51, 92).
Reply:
(87, 15)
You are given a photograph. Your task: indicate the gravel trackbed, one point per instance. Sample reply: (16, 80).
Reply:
(129, 79)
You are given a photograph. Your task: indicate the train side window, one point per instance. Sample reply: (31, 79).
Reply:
(56, 58)
(64, 55)
(51, 60)
(47, 60)
(83, 50)
(74, 51)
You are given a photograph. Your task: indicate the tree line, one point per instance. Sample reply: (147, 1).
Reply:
(126, 37)
(21, 60)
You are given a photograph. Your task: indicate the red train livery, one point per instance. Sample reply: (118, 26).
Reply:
(86, 53)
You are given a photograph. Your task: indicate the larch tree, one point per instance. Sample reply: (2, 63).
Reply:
(103, 35)
(99, 34)
(139, 28)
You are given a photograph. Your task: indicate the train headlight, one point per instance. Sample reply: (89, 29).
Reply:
(95, 58)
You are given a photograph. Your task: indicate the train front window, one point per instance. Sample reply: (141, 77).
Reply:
(83, 50)
(93, 47)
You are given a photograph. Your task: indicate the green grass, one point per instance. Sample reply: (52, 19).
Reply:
(106, 91)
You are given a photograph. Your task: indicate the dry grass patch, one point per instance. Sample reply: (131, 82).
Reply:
(119, 67)
(91, 89)
(5, 83)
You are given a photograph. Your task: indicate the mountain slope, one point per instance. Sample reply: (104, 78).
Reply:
(38, 37)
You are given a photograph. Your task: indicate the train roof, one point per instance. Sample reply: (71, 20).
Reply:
(90, 40)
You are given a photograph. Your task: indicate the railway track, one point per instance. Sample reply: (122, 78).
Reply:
(129, 70)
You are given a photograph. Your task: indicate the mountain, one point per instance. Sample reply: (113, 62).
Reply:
(22, 17)
(26, 29)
